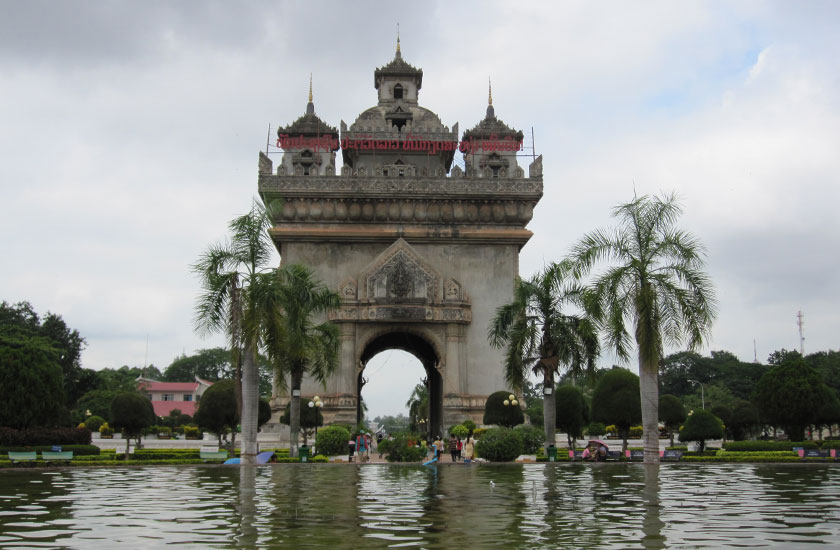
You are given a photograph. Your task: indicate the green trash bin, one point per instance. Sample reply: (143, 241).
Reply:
(303, 453)
(552, 453)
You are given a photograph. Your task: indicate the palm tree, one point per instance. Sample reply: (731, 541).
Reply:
(657, 282)
(296, 346)
(418, 407)
(231, 274)
(540, 337)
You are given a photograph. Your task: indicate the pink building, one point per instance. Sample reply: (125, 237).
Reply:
(168, 396)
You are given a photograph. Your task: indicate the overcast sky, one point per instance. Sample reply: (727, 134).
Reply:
(130, 133)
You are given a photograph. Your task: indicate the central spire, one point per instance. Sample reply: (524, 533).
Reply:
(491, 113)
(398, 54)
(310, 107)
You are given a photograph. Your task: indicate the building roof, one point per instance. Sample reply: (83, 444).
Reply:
(309, 125)
(397, 68)
(163, 408)
(492, 128)
(168, 386)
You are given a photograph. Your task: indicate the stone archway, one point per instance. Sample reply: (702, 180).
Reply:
(415, 344)
(422, 251)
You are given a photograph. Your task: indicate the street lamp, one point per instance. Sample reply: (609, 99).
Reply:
(702, 393)
(316, 402)
(511, 400)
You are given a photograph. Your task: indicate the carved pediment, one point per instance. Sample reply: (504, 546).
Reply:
(399, 275)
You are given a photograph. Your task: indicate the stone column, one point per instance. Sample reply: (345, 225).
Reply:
(347, 359)
(453, 379)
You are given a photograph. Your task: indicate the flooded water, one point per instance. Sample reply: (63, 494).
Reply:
(380, 506)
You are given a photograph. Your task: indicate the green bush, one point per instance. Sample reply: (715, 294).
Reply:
(332, 440)
(596, 428)
(497, 413)
(469, 424)
(532, 438)
(459, 430)
(319, 458)
(478, 432)
(740, 446)
(93, 422)
(403, 448)
(500, 445)
(106, 429)
(192, 431)
(636, 432)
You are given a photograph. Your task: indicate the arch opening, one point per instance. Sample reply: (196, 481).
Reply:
(428, 358)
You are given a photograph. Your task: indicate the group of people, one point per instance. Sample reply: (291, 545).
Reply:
(595, 452)
(458, 450)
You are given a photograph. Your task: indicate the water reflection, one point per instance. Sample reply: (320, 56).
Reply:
(341, 506)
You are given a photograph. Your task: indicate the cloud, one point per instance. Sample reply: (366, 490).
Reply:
(131, 136)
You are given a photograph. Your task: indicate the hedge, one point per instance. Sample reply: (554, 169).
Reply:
(78, 450)
(740, 446)
(10, 437)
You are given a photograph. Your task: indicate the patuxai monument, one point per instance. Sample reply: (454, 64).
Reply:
(421, 251)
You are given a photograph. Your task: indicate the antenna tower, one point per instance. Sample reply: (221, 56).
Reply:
(800, 321)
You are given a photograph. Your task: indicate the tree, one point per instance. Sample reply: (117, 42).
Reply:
(743, 420)
(310, 418)
(211, 364)
(418, 409)
(700, 426)
(234, 282)
(217, 411)
(828, 413)
(32, 381)
(616, 400)
(295, 345)
(671, 413)
(539, 337)
(21, 320)
(789, 394)
(497, 413)
(131, 413)
(572, 412)
(658, 284)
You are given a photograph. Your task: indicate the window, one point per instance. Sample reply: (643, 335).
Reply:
(187, 397)
(398, 91)
(149, 396)
(168, 397)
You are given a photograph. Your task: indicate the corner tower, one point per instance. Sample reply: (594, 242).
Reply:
(422, 252)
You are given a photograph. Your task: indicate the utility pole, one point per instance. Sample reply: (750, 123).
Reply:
(800, 321)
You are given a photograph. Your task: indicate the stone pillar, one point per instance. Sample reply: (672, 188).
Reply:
(347, 359)
(453, 381)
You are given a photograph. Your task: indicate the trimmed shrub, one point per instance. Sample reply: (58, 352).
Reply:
(532, 438)
(459, 430)
(596, 428)
(403, 448)
(469, 424)
(700, 426)
(478, 432)
(93, 422)
(192, 432)
(497, 413)
(500, 445)
(635, 432)
(332, 440)
(106, 429)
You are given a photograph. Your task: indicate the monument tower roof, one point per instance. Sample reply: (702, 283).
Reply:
(308, 125)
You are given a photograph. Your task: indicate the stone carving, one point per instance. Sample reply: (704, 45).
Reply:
(347, 290)
(453, 292)
(402, 278)
(456, 172)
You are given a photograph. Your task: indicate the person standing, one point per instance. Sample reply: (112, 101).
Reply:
(469, 449)
(453, 447)
(460, 448)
